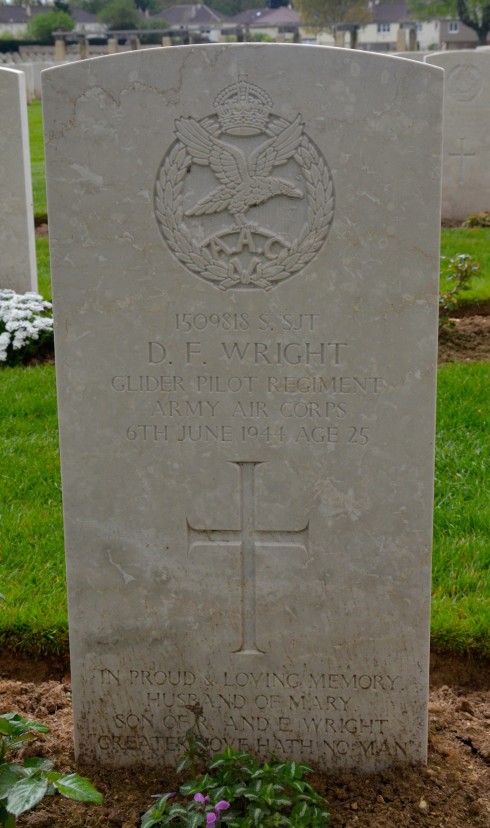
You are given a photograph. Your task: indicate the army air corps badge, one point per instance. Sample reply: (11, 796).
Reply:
(243, 198)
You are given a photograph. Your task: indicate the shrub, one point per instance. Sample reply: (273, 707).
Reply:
(459, 271)
(43, 25)
(265, 795)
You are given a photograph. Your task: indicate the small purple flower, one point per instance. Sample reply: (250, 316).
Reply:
(203, 800)
(212, 818)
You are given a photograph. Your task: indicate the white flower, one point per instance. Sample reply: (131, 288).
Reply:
(22, 319)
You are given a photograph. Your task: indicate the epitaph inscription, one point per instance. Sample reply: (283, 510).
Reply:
(220, 233)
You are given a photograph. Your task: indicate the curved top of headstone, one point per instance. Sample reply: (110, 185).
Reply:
(242, 146)
(18, 269)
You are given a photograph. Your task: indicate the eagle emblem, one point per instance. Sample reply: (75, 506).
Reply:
(246, 181)
(243, 198)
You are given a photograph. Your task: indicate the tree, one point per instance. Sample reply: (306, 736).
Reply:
(121, 14)
(325, 14)
(229, 8)
(60, 5)
(92, 6)
(42, 26)
(473, 13)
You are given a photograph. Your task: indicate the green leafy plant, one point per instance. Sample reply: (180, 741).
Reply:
(458, 270)
(23, 786)
(196, 753)
(198, 811)
(268, 795)
(481, 219)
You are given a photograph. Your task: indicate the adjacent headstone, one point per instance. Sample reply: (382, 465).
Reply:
(466, 153)
(411, 55)
(17, 244)
(245, 277)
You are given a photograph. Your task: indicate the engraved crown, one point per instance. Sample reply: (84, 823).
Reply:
(243, 108)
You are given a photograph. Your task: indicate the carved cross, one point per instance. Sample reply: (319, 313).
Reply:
(246, 539)
(461, 155)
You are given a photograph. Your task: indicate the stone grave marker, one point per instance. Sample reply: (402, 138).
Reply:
(17, 245)
(466, 145)
(245, 251)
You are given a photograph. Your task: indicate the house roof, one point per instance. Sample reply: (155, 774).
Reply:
(13, 14)
(391, 12)
(82, 16)
(18, 14)
(282, 16)
(261, 18)
(185, 15)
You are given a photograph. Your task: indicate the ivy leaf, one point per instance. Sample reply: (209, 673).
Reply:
(19, 724)
(6, 819)
(8, 778)
(26, 794)
(36, 763)
(77, 787)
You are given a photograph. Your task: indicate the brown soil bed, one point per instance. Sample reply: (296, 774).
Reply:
(466, 338)
(452, 790)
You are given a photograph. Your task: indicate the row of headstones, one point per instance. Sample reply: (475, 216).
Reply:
(32, 75)
(466, 158)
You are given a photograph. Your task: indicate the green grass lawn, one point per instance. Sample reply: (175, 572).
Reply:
(475, 241)
(33, 617)
(461, 568)
(43, 271)
(37, 160)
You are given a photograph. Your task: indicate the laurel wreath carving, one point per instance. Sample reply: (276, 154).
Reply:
(169, 213)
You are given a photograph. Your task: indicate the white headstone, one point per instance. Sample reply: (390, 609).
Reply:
(411, 55)
(17, 245)
(466, 146)
(245, 250)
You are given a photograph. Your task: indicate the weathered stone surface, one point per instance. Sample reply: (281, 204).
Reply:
(245, 248)
(411, 55)
(466, 146)
(18, 255)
